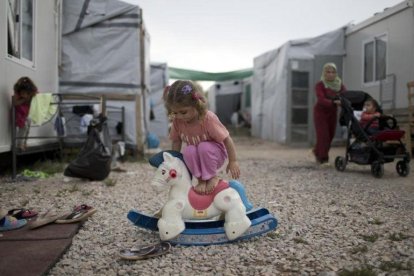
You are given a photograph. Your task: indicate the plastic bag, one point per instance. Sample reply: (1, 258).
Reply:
(94, 160)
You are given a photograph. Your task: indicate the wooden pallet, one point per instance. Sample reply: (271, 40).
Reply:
(408, 123)
(405, 118)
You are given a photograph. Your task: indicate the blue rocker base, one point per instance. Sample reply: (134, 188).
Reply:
(210, 231)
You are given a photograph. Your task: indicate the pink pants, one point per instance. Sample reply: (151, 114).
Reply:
(204, 159)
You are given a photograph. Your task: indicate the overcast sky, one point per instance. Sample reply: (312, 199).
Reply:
(225, 35)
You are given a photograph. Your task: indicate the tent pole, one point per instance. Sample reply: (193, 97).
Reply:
(103, 105)
(13, 139)
(139, 133)
(140, 116)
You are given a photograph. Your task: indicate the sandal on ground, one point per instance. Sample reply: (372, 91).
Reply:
(79, 213)
(145, 252)
(8, 223)
(44, 219)
(22, 213)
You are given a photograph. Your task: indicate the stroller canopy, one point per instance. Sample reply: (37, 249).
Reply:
(356, 98)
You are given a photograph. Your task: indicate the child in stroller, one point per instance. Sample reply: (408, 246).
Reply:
(370, 111)
(371, 148)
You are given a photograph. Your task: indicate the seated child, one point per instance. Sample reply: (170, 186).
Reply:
(370, 111)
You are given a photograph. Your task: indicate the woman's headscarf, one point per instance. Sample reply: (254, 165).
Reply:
(335, 85)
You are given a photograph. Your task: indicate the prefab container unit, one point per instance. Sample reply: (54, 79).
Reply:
(105, 51)
(379, 55)
(283, 93)
(29, 31)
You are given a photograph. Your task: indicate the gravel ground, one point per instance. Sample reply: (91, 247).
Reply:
(330, 222)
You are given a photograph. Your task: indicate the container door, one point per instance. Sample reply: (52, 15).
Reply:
(299, 90)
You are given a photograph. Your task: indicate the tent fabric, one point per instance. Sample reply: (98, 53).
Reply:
(97, 42)
(185, 74)
(104, 50)
(270, 81)
(224, 98)
(159, 79)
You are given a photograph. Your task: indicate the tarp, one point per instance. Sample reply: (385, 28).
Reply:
(185, 74)
(27, 252)
(224, 98)
(104, 51)
(270, 81)
(158, 123)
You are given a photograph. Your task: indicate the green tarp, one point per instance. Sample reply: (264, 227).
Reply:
(184, 74)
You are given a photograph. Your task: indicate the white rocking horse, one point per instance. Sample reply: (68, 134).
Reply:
(185, 204)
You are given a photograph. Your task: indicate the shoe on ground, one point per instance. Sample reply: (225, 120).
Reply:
(9, 223)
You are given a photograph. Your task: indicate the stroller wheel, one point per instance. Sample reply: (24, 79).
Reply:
(403, 168)
(340, 163)
(377, 169)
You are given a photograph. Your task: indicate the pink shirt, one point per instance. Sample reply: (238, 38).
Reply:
(22, 112)
(209, 129)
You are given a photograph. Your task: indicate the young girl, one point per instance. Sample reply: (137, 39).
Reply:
(370, 111)
(207, 140)
(24, 91)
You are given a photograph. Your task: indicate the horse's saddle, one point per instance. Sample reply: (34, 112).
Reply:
(202, 202)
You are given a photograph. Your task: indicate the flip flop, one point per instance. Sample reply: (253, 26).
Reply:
(44, 219)
(22, 213)
(145, 252)
(79, 213)
(8, 223)
(118, 169)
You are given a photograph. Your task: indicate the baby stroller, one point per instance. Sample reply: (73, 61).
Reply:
(364, 149)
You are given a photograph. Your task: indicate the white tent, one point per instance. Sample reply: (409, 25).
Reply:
(105, 51)
(227, 97)
(283, 86)
(158, 124)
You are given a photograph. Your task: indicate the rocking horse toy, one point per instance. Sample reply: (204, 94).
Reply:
(188, 218)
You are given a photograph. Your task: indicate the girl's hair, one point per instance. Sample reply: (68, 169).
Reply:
(185, 93)
(374, 103)
(25, 84)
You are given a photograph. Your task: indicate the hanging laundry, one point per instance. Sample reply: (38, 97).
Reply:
(42, 108)
(84, 123)
(60, 126)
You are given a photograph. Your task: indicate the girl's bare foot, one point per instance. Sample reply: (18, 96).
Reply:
(211, 184)
(201, 187)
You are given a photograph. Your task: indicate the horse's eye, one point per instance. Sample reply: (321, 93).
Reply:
(163, 172)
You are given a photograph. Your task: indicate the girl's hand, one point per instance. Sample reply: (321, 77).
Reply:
(234, 169)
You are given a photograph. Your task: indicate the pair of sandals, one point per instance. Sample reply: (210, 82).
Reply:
(22, 213)
(79, 213)
(145, 252)
(16, 218)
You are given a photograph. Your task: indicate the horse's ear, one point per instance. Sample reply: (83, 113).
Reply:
(167, 157)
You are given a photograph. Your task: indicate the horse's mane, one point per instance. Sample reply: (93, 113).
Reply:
(157, 159)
